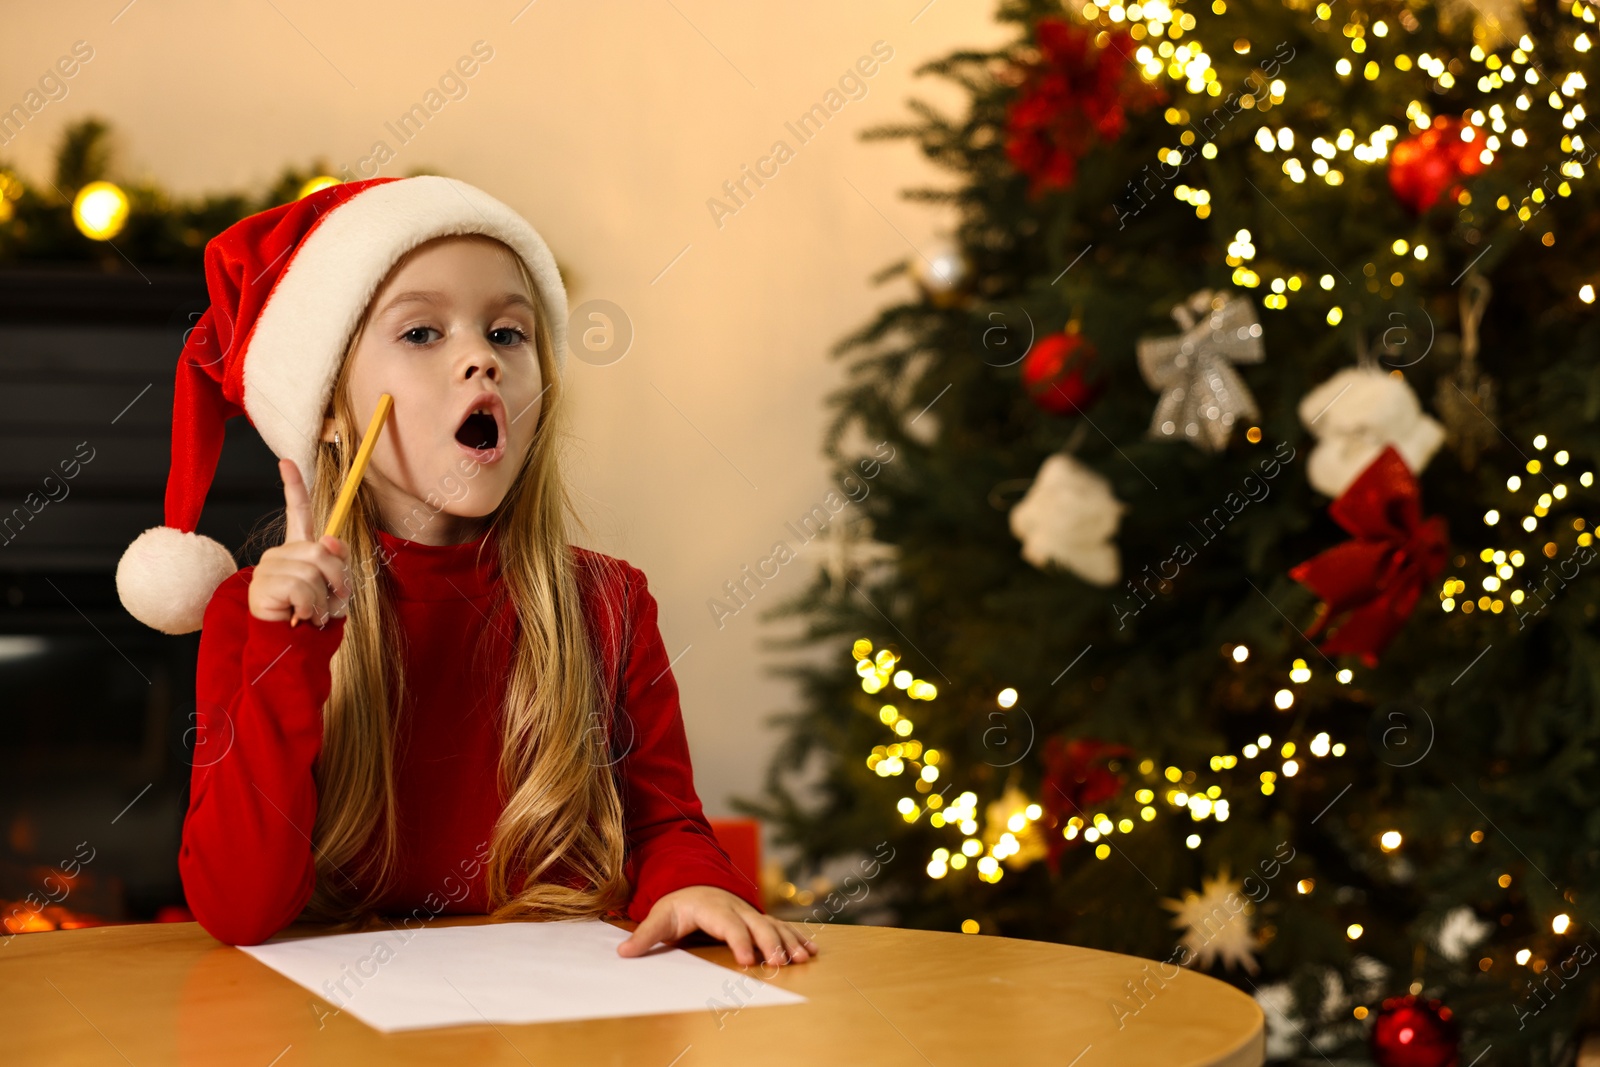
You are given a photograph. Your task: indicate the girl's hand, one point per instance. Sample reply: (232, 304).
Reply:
(303, 577)
(722, 915)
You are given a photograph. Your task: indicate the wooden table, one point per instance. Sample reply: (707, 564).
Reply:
(168, 993)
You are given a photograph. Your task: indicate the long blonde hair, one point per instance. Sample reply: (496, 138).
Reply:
(555, 766)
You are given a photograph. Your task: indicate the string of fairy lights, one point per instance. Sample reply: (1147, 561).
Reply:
(1503, 564)
(1512, 80)
(1172, 789)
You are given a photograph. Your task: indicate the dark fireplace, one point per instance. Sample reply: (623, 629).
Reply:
(97, 708)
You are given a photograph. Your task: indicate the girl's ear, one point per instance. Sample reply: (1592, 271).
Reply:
(328, 424)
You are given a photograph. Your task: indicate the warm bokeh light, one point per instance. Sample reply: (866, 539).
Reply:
(100, 210)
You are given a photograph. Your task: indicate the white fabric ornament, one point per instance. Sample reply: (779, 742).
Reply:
(1068, 517)
(1354, 415)
(1202, 396)
(1459, 932)
(1216, 924)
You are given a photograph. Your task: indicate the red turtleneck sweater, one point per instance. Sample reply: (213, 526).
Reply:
(246, 858)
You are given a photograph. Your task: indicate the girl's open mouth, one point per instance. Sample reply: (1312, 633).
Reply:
(479, 436)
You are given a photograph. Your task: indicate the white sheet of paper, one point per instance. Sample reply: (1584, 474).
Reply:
(513, 972)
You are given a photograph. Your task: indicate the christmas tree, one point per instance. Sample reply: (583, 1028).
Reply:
(1236, 462)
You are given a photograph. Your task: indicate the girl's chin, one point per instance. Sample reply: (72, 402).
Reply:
(468, 508)
(460, 522)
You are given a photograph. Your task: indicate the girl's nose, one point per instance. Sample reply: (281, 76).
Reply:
(485, 364)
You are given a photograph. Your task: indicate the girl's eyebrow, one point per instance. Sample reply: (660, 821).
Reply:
(433, 296)
(517, 298)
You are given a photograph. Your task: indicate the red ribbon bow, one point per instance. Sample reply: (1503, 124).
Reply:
(1377, 577)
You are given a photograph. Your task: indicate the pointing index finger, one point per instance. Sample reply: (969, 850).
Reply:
(297, 503)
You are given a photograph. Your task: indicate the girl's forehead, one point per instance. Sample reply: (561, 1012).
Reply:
(437, 266)
(456, 246)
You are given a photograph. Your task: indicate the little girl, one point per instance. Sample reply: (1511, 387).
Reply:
(451, 709)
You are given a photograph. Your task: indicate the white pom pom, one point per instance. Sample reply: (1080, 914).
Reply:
(166, 578)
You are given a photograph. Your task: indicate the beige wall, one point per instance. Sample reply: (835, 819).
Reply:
(609, 125)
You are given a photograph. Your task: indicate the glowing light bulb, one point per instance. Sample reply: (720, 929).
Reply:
(100, 210)
(322, 181)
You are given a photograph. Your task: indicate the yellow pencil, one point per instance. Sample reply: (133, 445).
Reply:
(347, 492)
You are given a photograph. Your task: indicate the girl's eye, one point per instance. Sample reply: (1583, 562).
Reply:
(517, 336)
(500, 335)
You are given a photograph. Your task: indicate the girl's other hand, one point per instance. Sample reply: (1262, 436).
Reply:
(305, 577)
(752, 936)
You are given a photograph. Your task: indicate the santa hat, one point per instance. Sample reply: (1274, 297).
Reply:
(288, 286)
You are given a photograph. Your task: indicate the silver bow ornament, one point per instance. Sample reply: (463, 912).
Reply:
(1202, 396)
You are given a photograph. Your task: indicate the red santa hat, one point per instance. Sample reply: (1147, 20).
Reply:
(288, 286)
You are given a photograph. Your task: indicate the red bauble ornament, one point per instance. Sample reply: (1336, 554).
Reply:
(1075, 95)
(1076, 778)
(1062, 373)
(1413, 1032)
(1426, 166)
